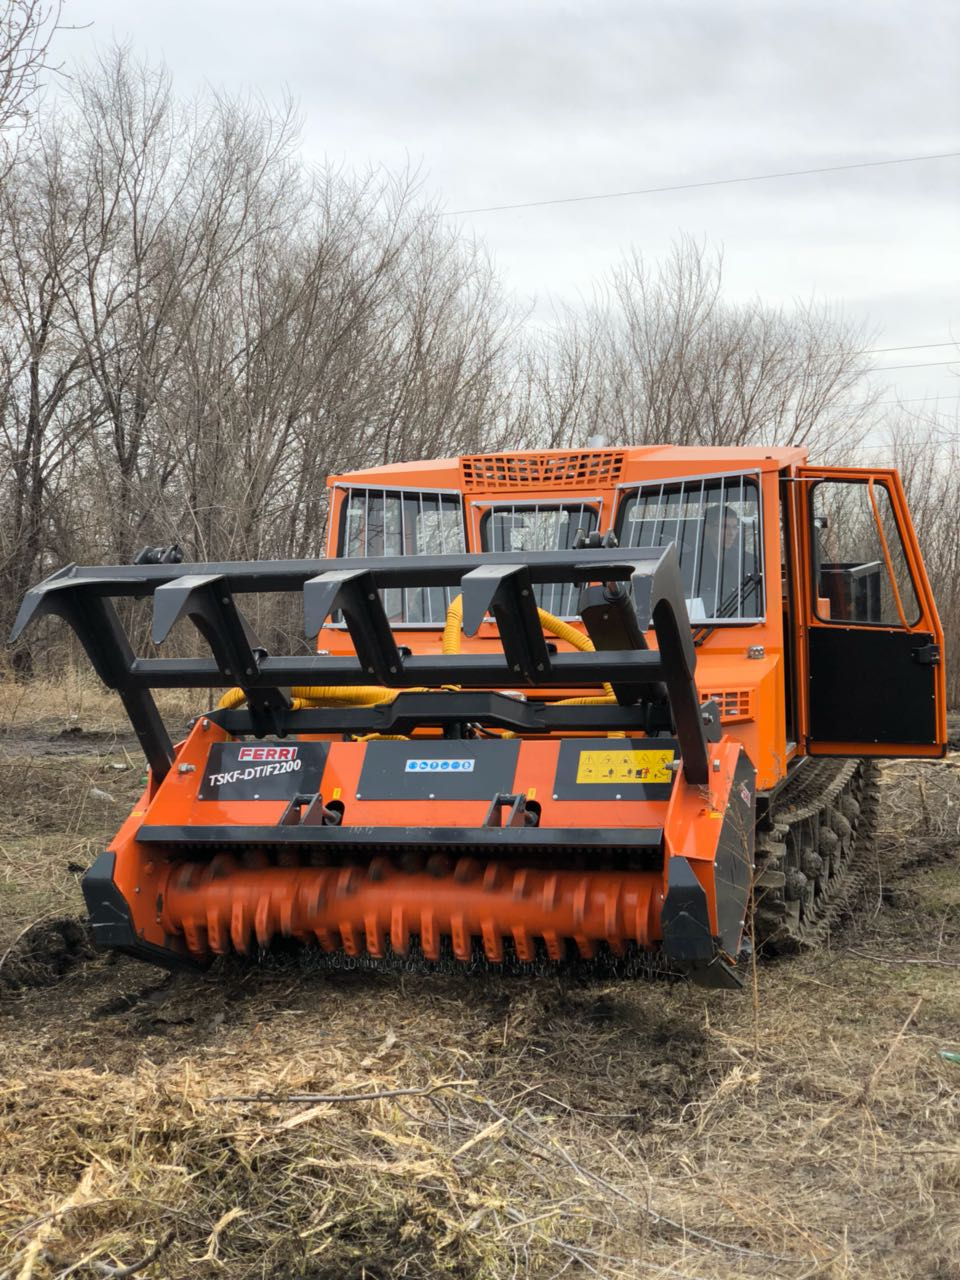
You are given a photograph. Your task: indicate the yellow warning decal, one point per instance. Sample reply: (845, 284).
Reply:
(625, 766)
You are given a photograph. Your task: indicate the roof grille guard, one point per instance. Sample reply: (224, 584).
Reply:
(493, 472)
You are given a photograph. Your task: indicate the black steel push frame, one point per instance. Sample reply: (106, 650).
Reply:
(624, 592)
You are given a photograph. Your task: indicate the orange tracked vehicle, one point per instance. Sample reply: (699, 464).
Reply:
(582, 706)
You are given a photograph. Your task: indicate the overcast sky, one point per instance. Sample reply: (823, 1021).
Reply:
(504, 102)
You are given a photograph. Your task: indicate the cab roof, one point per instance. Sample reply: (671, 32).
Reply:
(573, 469)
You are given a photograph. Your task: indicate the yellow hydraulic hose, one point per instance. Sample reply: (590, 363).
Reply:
(232, 698)
(371, 695)
(452, 634)
(452, 627)
(309, 695)
(563, 631)
(598, 700)
(360, 695)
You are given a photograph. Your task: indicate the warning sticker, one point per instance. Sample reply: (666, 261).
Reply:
(616, 769)
(624, 766)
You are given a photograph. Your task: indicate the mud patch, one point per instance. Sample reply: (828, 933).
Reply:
(44, 954)
(74, 740)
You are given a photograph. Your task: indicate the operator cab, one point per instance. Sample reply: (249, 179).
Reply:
(842, 660)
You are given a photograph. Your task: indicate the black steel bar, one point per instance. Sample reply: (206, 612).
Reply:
(209, 604)
(505, 838)
(207, 601)
(409, 711)
(501, 582)
(472, 670)
(506, 591)
(658, 593)
(586, 565)
(610, 618)
(100, 631)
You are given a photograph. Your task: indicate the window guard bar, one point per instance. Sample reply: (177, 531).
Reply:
(384, 511)
(556, 519)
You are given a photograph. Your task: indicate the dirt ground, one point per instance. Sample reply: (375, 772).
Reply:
(808, 1127)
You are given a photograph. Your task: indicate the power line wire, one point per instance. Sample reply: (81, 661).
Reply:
(919, 400)
(917, 346)
(925, 364)
(713, 182)
(930, 437)
(930, 440)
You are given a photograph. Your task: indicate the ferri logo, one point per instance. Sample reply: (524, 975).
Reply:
(267, 753)
(439, 766)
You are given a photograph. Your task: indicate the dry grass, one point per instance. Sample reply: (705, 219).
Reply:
(635, 1131)
(70, 768)
(78, 698)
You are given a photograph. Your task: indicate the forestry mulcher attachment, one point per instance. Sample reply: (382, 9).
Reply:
(611, 707)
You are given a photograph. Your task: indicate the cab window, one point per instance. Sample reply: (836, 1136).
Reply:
(535, 526)
(860, 567)
(398, 522)
(715, 525)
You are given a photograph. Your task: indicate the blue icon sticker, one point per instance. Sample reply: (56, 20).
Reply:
(439, 766)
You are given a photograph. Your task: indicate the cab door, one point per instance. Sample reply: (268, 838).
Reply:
(872, 681)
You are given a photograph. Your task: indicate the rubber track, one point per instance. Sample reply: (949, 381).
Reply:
(817, 786)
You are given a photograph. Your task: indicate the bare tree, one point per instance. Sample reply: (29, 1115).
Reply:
(195, 330)
(26, 30)
(44, 415)
(661, 358)
(172, 196)
(925, 448)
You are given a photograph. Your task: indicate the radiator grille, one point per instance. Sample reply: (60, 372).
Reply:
(598, 468)
(735, 704)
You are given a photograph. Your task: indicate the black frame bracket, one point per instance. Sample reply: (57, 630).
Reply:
(353, 592)
(206, 599)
